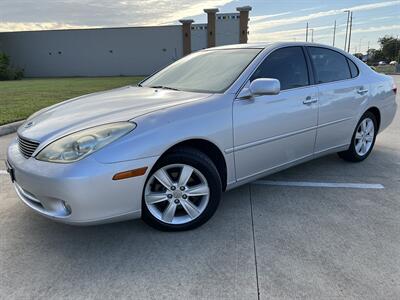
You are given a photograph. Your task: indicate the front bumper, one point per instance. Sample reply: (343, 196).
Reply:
(79, 193)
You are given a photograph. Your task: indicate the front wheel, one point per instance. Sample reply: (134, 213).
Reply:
(182, 191)
(363, 139)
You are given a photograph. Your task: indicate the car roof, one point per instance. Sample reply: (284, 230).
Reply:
(265, 45)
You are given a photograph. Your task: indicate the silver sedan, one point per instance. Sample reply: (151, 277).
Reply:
(166, 149)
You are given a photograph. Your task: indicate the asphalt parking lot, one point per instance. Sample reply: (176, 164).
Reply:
(266, 240)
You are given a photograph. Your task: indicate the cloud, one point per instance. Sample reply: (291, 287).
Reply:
(377, 29)
(311, 8)
(287, 34)
(258, 26)
(65, 14)
(20, 26)
(186, 9)
(299, 34)
(386, 18)
(262, 18)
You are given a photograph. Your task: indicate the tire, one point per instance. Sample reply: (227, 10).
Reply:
(192, 201)
(355, 153)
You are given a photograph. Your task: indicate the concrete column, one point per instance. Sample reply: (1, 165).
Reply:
(211, 19)
(244, 23)
(187, 36)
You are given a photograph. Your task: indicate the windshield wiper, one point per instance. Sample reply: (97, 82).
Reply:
(164, 87)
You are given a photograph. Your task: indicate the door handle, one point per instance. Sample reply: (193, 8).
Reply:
(362, 91)
(310, 100)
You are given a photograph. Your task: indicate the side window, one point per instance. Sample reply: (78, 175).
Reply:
(353, 68)
(288, 65)
(329, 65)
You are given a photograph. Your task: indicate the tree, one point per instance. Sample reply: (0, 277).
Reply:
(371, 52)
(358, 55)
(375, 56)
(390, 47)
(6, 71)
(379, 55)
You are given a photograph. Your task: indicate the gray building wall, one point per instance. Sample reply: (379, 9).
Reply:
(110, 51)
(93, 52)
(227, 29)
(199, 36)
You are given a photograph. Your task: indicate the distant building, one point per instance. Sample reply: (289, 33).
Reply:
(120, 51)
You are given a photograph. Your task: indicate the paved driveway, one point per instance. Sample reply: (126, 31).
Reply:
(266, 239)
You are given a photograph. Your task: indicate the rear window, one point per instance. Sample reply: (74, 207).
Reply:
(353, 68)
(329, 65)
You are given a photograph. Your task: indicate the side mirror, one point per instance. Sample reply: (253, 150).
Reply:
(261, 86)
(265, 86)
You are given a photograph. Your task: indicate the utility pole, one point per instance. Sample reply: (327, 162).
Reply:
(334, 34)
(307, 32)
(347, 29)
(351, 25)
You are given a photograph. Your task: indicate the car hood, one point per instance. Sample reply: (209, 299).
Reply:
(121, 104)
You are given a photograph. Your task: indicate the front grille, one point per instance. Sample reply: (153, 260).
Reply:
(27, 147)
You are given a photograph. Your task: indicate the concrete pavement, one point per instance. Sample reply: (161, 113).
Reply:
(272, 242)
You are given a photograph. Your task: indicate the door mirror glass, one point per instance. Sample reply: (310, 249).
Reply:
(265, 86)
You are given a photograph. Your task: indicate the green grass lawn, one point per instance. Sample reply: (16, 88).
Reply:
(21, 98)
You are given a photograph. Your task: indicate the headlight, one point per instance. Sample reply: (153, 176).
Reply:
(80, 144)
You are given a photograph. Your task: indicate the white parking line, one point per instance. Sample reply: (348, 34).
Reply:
(375, 186)
(321, 184)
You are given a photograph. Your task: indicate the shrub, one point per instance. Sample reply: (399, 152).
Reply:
(6, 71)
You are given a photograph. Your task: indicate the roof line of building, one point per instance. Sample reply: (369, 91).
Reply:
(91, 28)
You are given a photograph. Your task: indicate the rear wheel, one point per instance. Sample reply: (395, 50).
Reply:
(363, 139)
(182, 191)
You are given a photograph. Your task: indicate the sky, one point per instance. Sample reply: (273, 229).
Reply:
(281, 20)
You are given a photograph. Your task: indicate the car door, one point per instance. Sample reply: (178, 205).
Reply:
(341, 93)
(274, 130)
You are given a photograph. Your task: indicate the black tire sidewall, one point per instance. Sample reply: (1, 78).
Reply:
(202, 163)
(352, 149)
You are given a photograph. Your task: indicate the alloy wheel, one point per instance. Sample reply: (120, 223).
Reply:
(177, 194)
(364, 137)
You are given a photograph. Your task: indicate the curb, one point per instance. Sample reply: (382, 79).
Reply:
(10, 128)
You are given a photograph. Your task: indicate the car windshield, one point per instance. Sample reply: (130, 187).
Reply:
(211, 71)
